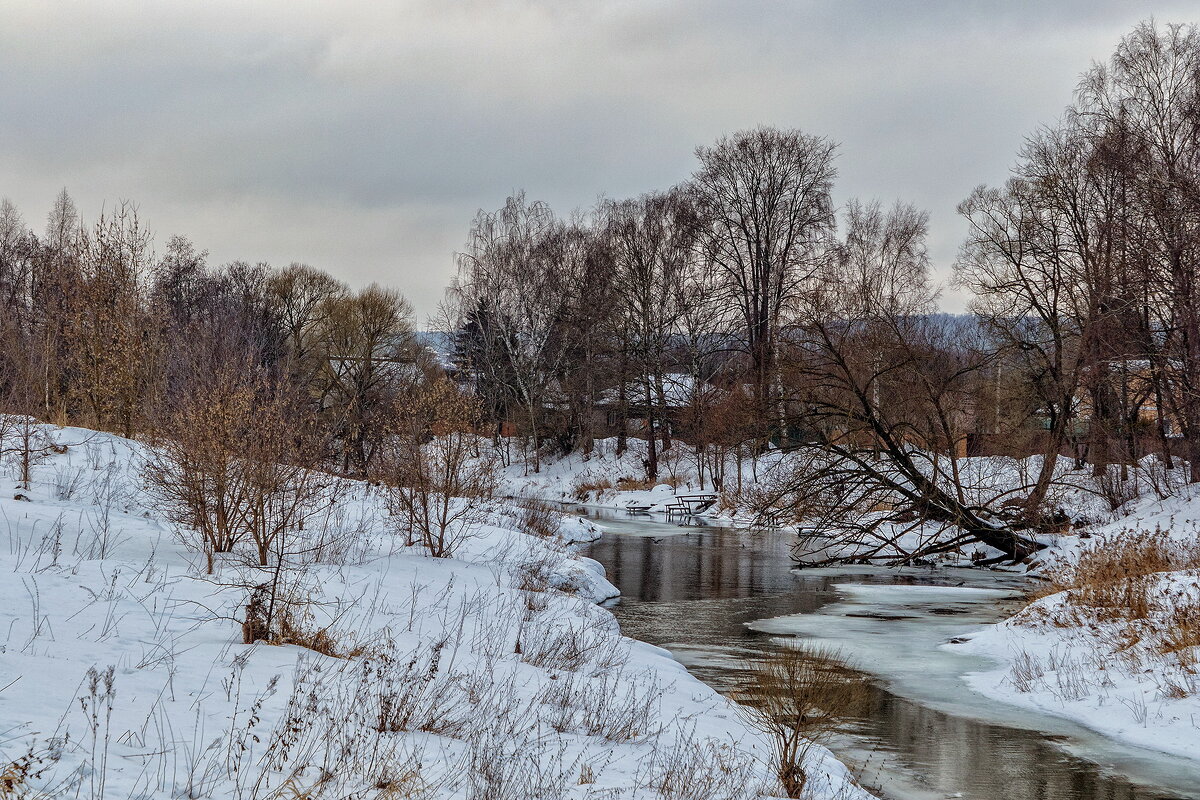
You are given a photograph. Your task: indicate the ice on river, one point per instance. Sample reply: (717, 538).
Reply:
(895, 631)
(900, 633)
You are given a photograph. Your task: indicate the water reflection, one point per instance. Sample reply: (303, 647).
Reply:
(693, 590)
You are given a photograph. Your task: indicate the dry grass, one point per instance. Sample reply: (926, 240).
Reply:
(291, 623)
(1184, 631)
(320, 640)
(585, 486)
(1117, 579)
(1117, 592)
(539, 519)
(17, 775)
(13, 778)
(700, 769)
(1110, 562)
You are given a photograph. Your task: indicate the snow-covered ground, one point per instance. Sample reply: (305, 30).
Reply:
(493, 674)
(604, 479)
(1129, 673)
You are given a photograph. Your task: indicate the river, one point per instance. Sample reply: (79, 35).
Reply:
(714, 596)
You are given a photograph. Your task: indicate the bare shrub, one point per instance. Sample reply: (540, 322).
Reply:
(281, 613)
(284, 487)
(539, 519)
(24, 440)
(411, 693)
(236, 462)
(1117, 487)
(535, 571)
(435, 477)
(194, 471)
(68, 481)
(797, 696)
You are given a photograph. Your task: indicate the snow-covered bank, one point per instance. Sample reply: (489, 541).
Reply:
(603, 479)
(1116, 650)
(492, 674)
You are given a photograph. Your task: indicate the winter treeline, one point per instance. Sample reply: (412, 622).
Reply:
(741, 308)
(98, 330)
(739, 311)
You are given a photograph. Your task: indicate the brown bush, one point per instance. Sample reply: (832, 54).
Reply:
(797, 696)
(435, 477)
(583, 487)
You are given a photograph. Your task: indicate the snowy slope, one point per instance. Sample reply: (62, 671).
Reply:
(490, 675)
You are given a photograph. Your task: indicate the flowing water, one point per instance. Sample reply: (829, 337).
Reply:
(716, 596)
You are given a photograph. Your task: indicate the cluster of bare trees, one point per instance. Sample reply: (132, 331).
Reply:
(794, 325)
(555, 318)
(1085, 263)
(739, 311)
(98, 330)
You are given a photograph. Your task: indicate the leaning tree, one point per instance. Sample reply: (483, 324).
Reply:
(884, 386)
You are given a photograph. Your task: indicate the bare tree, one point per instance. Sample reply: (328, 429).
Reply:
(303, 298)
(507, 305)
(366, 347)
(586, 335)
(1142, 109)
(883, 391)
(108, 330)
(653, 241)
(764, 195)
(197, 470)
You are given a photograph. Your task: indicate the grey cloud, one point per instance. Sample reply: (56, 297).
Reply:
(362, 137)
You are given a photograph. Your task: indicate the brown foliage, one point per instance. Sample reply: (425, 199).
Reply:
(236, 462)
(1117, 580)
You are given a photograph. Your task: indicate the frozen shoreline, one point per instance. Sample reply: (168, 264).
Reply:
(903, 634)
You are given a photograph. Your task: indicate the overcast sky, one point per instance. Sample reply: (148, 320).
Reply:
(361, 137)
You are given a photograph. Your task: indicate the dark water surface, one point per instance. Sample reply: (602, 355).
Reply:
(694, 590)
